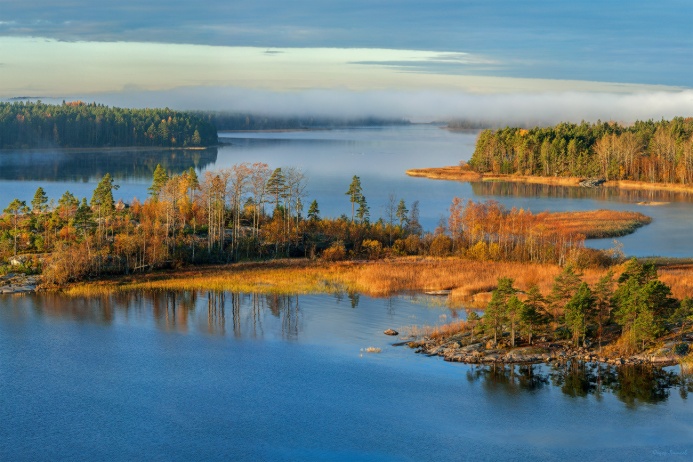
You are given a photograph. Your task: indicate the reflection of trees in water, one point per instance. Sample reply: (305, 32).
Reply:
(287, 309)
(633, 385)
(83, 165)
(516, 189)
(99, 310)
(176, 310)
(172, 309)
(511, 379)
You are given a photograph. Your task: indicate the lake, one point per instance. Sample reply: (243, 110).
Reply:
(222, 376)
(329, 158)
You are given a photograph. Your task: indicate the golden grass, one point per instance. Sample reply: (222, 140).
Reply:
(468, 279)
(679, 277)
(596, 223)
(456, 173)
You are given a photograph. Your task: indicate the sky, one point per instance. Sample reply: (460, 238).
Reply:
(430, 60)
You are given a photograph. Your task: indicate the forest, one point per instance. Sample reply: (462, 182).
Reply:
(81, 125)
(647, 151)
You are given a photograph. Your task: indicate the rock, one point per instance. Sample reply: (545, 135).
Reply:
(592, 182)
(390, 332)
(473, 347)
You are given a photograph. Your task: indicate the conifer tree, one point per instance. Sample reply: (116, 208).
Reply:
(355, 193)
(159, 180)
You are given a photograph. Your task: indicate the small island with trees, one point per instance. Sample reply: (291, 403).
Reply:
(647, 155)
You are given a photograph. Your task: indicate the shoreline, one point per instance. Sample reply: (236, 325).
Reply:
(111, 149)
(457, 173)
(454, 349)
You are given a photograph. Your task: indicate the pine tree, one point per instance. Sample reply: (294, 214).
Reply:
(38, 203)
(495, 315)
(102, 200)
(562, 290)
(276, 187)
(355, 193)
(577, 311)
(401, 213)
(363, 212)
(16, 208)
(530, 315)
(160, 178)
(313, 211)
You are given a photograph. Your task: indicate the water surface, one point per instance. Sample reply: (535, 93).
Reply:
(221, 376)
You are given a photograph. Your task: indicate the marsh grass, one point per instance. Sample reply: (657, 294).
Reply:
(595, 224)
(466, 278)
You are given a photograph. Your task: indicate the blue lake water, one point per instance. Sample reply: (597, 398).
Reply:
(182, 376)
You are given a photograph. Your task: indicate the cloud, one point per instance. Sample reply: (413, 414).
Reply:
(422, 106)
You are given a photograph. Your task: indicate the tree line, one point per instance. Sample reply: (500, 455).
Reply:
(650, 151)
(77, 124)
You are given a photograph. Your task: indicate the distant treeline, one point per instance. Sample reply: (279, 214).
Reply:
(76, 124)
(235, 121)
(645, 151)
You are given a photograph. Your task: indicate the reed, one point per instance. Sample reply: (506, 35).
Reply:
(467, 279)
(594, 224)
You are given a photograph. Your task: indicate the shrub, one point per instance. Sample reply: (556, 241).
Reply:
(441, 246)
(335, 252)
(371, 248)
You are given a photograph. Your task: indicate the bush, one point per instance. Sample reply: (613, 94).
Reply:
(335, 252)
(441, 246)
(371, 248)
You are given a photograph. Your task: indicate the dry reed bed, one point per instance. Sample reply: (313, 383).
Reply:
(375, 278)
(596, 223)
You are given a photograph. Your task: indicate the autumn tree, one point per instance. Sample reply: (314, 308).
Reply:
(16, 209)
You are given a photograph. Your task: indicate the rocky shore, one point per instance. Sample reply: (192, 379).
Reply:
(18, 284)
(460, 348)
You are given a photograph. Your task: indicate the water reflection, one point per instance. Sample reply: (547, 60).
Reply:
(632, 385)
(513, 189)
(86, 165)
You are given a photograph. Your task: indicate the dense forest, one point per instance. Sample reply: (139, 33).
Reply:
(240, 121)
(645, 151)
(80, 125)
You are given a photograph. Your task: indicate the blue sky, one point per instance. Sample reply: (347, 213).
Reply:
(170, 49)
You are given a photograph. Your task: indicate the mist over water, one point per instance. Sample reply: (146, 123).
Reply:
(540, 107)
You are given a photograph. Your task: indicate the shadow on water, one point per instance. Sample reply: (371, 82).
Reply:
(517, 189)
(632, 385)
(82, 165)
